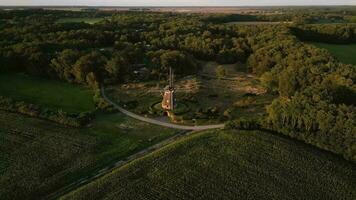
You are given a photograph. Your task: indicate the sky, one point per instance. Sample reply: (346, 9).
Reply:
(176, 2)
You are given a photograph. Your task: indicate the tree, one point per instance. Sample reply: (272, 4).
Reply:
(220, 71)
(287, 83)
(117, 68)
(63, 64)
(92, 62)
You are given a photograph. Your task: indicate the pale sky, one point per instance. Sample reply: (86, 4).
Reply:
(177, 2)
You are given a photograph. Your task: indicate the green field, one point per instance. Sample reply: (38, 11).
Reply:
(48, 93)
(78, 20)
(346, 53)
(38, 157)
(229, 165)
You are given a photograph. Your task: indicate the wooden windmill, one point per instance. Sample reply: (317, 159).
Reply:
(168, 101)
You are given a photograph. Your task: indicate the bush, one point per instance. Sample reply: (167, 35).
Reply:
(244, 124)
(243, 103)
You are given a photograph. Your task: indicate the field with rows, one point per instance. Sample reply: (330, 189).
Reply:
(38, 157)
(51, 94)
(229, 165)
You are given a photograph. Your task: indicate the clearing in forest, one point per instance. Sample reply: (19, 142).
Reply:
(51, 94)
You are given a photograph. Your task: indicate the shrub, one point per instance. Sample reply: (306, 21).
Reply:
(244, 124)
(75, 120)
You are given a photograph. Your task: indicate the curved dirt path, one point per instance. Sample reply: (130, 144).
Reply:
(159, 123)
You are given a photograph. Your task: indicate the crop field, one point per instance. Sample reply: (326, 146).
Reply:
(38, 157)
(48, 93)
(84, 20)
(228, 165)
(344, 52)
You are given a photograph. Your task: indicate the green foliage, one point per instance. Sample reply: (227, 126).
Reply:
(244, 124)
(269, 82)
(227, 165)
(220, 72)
(90, 63)
(181, 63)
(287, 83)
(325, 125)
(117, 68)
(339, 33)
(75, 120)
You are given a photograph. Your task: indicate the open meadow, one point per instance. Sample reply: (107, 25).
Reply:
(228, 165)
(51, 94)
(346, 53)
(39, 157)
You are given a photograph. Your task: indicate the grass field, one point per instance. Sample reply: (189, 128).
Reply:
(345, 53)
(48, 93)
(228, 165)
(38, 157)
(85, 20)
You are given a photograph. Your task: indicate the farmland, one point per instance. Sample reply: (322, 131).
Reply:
(229, 165)
(49, 93)
(344, 52)
(40, 157)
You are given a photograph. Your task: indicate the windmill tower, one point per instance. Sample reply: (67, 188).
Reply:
(168, 101)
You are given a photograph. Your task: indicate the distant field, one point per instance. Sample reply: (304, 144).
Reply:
(38, 157)
(344, 52)
(49, 93)
(228, 165)
(85, 20)
(256, 23)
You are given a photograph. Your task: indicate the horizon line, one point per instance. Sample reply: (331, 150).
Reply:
(192, 6)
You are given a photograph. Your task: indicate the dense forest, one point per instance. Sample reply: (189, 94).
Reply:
(317, 92)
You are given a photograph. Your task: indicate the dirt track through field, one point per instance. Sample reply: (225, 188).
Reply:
(107, 169)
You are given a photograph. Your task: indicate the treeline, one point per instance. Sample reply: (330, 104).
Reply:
(330, 33)
(74, 120)
(317, 94)
(117, 45)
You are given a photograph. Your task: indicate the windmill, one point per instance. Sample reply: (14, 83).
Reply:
(168, 101)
